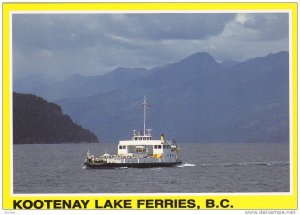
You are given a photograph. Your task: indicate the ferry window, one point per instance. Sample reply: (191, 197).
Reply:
(124, 147)
(155, 146)
(159, 146)
(120, 147)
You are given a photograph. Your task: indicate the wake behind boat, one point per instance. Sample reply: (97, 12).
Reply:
(139, 152)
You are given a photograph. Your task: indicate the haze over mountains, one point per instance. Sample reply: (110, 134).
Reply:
(193, 100)
(81, 86)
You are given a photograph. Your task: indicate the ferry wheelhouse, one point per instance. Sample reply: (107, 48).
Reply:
(140, 152)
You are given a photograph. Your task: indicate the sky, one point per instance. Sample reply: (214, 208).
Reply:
(59, 45)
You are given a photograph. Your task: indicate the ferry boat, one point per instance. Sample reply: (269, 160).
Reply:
(139, 152)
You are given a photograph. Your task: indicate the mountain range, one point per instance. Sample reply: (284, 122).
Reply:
(194, 100)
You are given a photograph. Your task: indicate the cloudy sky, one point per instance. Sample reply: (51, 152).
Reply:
(58, 45)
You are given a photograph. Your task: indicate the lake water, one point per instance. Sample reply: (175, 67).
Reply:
(206, 168)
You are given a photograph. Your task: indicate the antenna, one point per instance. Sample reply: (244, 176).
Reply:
(146, 105)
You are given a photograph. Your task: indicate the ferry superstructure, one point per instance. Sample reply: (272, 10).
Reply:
(139, 152)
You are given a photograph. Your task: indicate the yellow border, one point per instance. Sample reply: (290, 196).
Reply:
(242, 201)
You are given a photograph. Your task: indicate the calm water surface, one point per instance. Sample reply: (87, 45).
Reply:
(207, 168)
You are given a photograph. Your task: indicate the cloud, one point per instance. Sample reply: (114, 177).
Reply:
(54, 31)
(59, 45)
(168, 26)
(259, 26)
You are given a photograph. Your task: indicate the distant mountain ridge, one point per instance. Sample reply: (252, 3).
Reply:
(37, 121)
(194, 100)
(76, 86)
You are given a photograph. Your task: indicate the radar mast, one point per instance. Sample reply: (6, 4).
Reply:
(146, 106)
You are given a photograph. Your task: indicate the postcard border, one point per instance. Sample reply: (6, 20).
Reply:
(239, 201)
